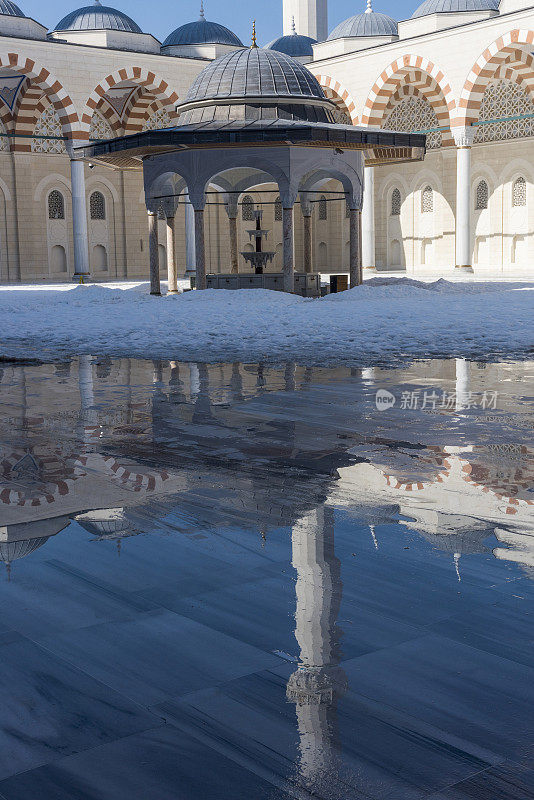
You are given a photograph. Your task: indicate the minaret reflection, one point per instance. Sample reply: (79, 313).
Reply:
(319, 680)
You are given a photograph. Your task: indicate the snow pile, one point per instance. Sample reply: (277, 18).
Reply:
(379, 322)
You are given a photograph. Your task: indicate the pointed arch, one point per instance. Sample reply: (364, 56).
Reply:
(49, 85)
(341, 96)
(152, 83)
(421, 74)
(486, 66)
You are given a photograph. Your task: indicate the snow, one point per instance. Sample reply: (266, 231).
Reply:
(382, 321)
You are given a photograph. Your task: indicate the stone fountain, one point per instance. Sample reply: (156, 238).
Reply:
(258, 258)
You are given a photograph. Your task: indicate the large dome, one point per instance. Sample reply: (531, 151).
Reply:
(202, 32)
(9, 9)
(253, 85)
(454, 6)
(254, 72)
(369, 23)
(97, 18)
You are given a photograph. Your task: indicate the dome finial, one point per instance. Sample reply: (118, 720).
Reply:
(293, 28)
(202, 9)
(254, 42)
(369, 9)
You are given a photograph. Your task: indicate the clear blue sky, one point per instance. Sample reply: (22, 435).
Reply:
(160, 17)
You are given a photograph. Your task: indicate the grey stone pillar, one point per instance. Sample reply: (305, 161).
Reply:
(155, 287)
(234, 256)
(308, 265)
(190, 256)
(172, 272)
(289, 262)
(355, 257)
(200, 249)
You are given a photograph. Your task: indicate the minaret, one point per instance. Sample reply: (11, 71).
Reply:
(309, 17)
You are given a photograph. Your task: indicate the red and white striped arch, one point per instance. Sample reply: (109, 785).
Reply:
(418, 72)
(151, 83)
(43, 80)
(341, 97)
(513, 47)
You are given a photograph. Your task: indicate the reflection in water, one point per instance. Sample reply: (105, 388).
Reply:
(126, 447)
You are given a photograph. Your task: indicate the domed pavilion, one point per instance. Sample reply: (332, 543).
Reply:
(254, 117)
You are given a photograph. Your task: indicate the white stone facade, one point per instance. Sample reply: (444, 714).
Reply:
(465, 79)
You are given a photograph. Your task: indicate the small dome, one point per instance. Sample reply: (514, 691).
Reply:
(254, 72)
(294, 45)
(97, 18)
(369, 23)
(454, 6)
(202, 32)
(9, 9)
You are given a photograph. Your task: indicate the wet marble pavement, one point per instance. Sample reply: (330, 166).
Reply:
(228, 582)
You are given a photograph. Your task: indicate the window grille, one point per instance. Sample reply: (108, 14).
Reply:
(519, 193)
(323, 208)
(157, 120)
(48, 124)
(97, 206)
(247, 210)
(100, 128)
(427, 205)
(415, 114)
(56, 205)
(396, 202)
(503, 99)
(482, 196)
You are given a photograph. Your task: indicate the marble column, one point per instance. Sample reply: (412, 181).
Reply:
(464, 139)
(234, 256)
(289, 257)
(172, 272)
(368, 219)
(355, 253)
(79, 219)
(155, 287)
(200, 249)
(308, 264)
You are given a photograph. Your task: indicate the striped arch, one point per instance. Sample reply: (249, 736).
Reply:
(143, 77)
(31, 103)
(507, 46)
(420, 73)
(341, 97)
(412, 89)
(110, 115)
(138, 110)
(49, 85)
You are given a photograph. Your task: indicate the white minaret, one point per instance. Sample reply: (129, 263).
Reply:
(310, 16)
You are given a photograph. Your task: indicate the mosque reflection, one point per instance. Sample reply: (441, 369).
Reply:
(119, 446)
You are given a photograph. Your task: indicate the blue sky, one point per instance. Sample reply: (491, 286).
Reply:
(160, 17)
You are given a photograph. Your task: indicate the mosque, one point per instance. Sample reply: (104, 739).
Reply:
(459, 72)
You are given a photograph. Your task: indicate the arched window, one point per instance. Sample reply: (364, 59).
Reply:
(278, 210)
(396, 201)
(48, 125)
(157, 120)
(323, 208)
(97, 206)
(519, 192)
(56, 205)
(248, 209)
(482, 196)
(100, 128)
(427, 200)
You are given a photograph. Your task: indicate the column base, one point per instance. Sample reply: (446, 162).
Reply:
(465, 268)
(373, 270)
(155, 294)
(78, 277)
(173, 291)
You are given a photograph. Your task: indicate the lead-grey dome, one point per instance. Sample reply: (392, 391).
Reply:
(9, 9)
(252, 85)
(97, 18)
(370, 23)
(202, 32)
(254, 72)
(454, 6)
(293, 45)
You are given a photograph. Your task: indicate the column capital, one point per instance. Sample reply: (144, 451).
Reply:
(463, 137)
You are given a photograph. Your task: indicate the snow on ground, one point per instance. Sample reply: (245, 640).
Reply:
(384, 320)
